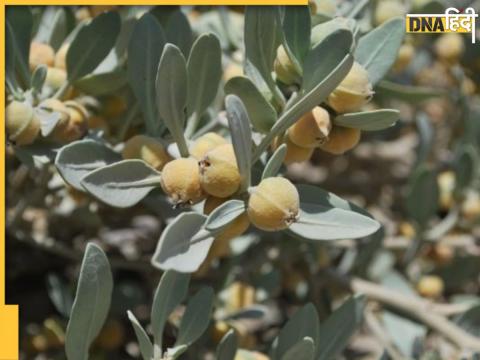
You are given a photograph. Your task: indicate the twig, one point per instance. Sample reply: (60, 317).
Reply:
(416, 307)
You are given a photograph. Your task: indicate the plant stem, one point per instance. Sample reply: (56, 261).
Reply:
(192, 125)
(357, 9)
(61, 91)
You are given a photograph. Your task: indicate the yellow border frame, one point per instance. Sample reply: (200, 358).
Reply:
(9, 330)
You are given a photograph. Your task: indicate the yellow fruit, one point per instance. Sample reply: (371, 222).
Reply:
(406, 229)
(312, 129)
(295, 154)
(219, 174)
(221, 245)
(449, 47)
(40, 54)
(239, 295)
(468, 86)
(442, 254)
(232, 70)
(181, 181)
(60, 61)
(388, 9)
(446, 186)
(353, 92)
(205, 143)
(284, 67)
(58, 106)
(148, 149)
(341, 139)
(55, 78)
(431, 286)
(471, 206)
(82, 14)
(404, 57)
(273, 204)
(77, 125)
(21, 123)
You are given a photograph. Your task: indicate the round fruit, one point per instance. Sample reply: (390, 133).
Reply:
(388, 9)
(205, 143)
(56, 105)
(449, 47)
(148, 149)
(40, 54)
(284, 67)
(295, 153)
(232, 70)
(221, 246)
(55, 78)
(239, 296)
(181, 181)
(341, 139)
(60, 61)
(404, 57)
(21, 123)
(219, 174)
(431, 286)
(77, 125)
(273, 204)
(353, 92)
(312, 129)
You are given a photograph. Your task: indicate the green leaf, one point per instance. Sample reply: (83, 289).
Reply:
(470, 320)
(48, 120)
(171, 291)
(296, 30)
(196, 317)
(20, 21)
(321, 217)
(10, 57)
(260, 111)
(422, 196)
(275, 162)
(122, 184)
(411, 94)
(144, 343)
(339, 327)
(227, 348)
(261, 39)
(304, 323)
(179, 32)
(91, 305)
(239, 125)
(171, 92)
(144, 50)
(60, 294)
(102, 83)
(465, 167)
(369, 120)
(204, 74)
(304, 349)
(224, 214)
(38, 78)
(184, 244)
(323, 58)
(53, 28)
(377, 50)
(75, 160)
(92, 44)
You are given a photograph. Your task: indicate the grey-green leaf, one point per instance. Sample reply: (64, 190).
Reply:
(408, 93)
(321, 218)
(184, 244)
(102, 83)
(179, 32)
(122, 184)
(422, 196)
(20, 21)
(144, 343)
(92, 44)
(260, 111)
(377, 50)
(339, 327)
(275, 162)
(38, 78)
(304, 349)
(204, 73)
(91, 305)
(296, 30)
(227, 348)
(224, 214)
(171, 291)
(48, 120)
(196, 317)
(304, 323)
(465, 167)
(53, 26)
(369, 120)
(144, 50)
(75, 160)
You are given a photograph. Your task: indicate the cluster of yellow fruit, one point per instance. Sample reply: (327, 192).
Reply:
(43, 54)
(23, 123)
(316, 128)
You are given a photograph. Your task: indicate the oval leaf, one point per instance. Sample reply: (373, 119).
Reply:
(74, 161)
(422, 197)
(20, 21)
(296, 30)
(304, 349)
(146, 347)
(179, 32)
(369, 120)
(92, 44)
(91, 305)
(275, 162)
(465, 167)
(184, 244)
(122, 184)
(224, 214)
(408, 93)
(377, 50)
(227, 348)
